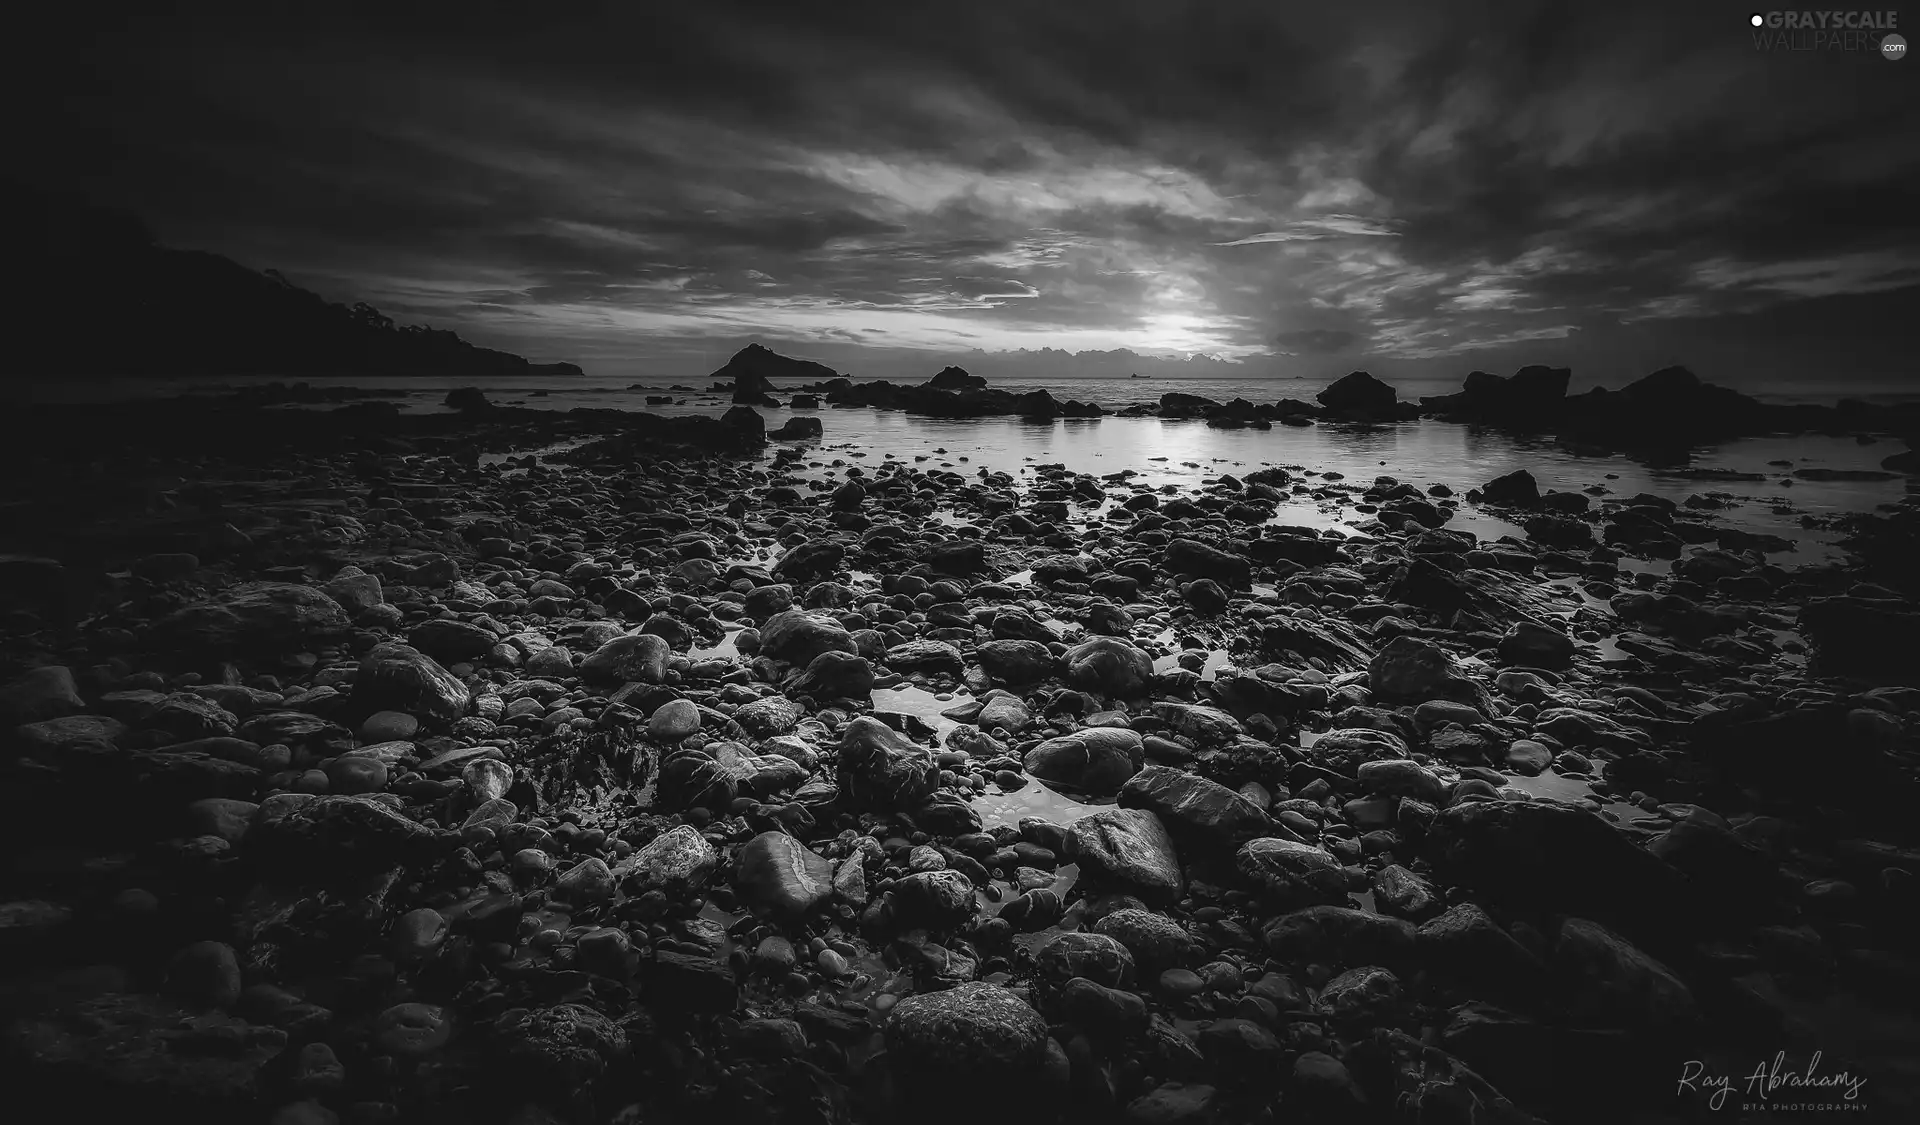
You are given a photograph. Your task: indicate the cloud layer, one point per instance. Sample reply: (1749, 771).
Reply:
(1297, 188)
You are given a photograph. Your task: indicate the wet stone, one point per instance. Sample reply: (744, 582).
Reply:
(690, 982)
(418, 934)
(1097, 957)
(1527, 757)
(1004, 711)
(679, 857)
(1613, 981)
(588, 881)
(1290, 873)
(974, 1033)
(777, 874)
(1340, 935)
(1155, 941)
(1016, 662)
(406, 679)
(1401, 777)
(1096, 761)
(1109, 666)
(880, 768)
(1242, 1052)
(1366, 995)
(556, 1049)
(936, 899)
(44, 693)
(387, 726)
(796, 637)
(487, 778)
(1192, 805)
(206, 973)
(633, 658)
(1130, 849)
(1174, 1103)
(1102, 1011)
(767, 717)
(1402, 894)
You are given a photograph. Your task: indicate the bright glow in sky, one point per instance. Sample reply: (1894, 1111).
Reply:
(1305, 189)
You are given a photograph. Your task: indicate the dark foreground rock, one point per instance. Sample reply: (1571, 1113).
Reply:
(1361, 395)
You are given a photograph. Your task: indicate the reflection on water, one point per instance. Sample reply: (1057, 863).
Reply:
(612, 392)
(1215, 658)
(1425, 453)
(726, 648)
(1033, 800)
(1578, 593)
(1064, 877)
(1611, 652)
(541, 455)
(1548, 786)
(906, 699)
(1557, 787)
(1753, 477)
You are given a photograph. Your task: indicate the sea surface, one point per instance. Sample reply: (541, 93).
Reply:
(607, 391)
(1749, 482)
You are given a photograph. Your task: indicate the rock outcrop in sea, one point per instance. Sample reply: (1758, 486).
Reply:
(748, 376)
(1671, 409)
(952, 393)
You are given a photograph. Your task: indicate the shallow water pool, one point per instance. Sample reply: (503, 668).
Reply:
(1035, 799)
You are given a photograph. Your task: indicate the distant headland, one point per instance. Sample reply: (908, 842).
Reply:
(100, 296)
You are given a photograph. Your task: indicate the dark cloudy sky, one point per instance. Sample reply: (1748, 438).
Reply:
(1417, 188)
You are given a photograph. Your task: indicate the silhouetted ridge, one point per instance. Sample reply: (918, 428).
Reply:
(100, 296)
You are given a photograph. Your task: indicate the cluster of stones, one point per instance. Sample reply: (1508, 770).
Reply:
(546, 795)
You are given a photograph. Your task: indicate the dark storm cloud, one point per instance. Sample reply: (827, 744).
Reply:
(1386, 183)
(1315, 341)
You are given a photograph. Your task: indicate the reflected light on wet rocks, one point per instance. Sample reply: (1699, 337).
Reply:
(1215, 658)
(541, 456)
(727, 648)
(1422, 453)
(1350, 817)
(1034, 799)
(1550, 785)
(995, 808)
(906, 699)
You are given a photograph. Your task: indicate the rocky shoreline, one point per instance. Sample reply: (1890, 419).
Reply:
(1668, 411)
(363, 767)
(1665, 412)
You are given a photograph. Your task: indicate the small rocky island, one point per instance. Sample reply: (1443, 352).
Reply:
(368, 767)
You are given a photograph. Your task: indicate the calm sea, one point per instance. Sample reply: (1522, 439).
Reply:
(1185, 453)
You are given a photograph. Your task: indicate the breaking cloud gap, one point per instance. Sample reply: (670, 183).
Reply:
(1278, 186)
